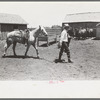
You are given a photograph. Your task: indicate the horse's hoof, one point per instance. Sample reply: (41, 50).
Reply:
(25, 56)
(15, 55)
(3, 55)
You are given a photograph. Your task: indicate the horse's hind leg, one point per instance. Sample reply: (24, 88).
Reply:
(6, 46)
(36, 50)
(14, 45)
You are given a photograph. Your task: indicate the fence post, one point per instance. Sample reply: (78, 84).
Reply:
(56, 38)
(47, 42)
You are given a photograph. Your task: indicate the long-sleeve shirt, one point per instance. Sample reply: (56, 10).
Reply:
(64, 36)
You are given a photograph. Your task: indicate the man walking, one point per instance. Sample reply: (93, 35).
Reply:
(64, 43)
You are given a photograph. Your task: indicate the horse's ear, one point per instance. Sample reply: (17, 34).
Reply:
(39, 27)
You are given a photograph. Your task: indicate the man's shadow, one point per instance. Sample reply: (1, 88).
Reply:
(61, 61)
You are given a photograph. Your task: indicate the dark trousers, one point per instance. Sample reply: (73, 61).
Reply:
(65, 46)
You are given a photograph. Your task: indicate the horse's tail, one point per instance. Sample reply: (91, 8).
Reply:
(5, 46)
(6, 39)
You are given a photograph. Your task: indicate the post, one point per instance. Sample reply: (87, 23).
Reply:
(0, 33)
(56, 38)
(47, 42)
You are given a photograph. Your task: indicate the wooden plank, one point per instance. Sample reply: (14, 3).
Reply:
(42, 38)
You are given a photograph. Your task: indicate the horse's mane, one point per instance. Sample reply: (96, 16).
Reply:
(35, 30)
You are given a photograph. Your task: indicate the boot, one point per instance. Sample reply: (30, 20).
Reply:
(59, 60)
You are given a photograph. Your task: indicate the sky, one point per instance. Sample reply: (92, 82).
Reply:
(47, 13)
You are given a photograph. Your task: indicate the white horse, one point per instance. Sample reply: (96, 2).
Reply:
(82, 33)
(15, 37)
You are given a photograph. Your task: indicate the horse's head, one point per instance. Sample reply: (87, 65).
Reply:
(43, 31)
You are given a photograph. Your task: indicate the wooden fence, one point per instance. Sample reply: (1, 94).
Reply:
(53, 35)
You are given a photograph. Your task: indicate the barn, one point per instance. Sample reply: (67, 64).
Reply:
(84, 20)
(10, 22)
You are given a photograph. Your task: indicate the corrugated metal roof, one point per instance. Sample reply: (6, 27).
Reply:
(11, 19)
(82, 17)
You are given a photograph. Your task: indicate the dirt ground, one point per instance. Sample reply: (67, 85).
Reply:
(85, 55)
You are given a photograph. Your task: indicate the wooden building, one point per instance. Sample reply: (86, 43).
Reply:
(84, 20)
(10, 22)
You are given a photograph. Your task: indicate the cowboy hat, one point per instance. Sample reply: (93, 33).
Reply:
(66, 25)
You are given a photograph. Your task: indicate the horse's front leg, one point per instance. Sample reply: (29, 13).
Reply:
(14, 45)
(36, 50)
(27, 50)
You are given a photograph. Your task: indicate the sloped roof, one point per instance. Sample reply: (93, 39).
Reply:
(11, 19)
(82, 17)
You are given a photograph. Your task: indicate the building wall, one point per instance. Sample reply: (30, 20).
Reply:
(6, 28)
(0, 28)
(11, 27)
(22, 27)
(98, 31)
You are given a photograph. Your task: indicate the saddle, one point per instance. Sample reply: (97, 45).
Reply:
(19, 33)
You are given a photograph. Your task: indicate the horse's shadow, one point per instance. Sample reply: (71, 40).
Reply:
(20, 56)
(45, 44)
